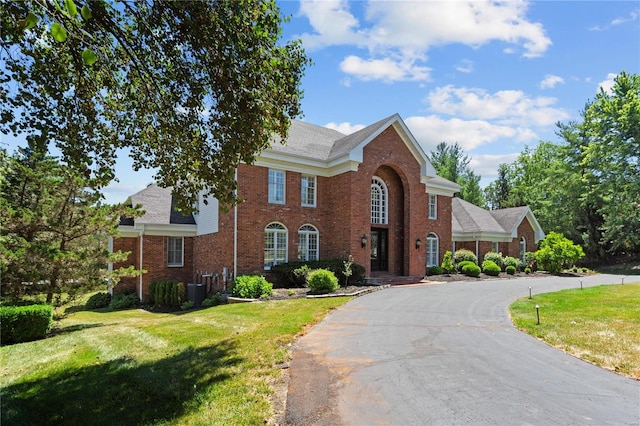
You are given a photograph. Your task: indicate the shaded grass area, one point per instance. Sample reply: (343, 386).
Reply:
(598, 324)
(212, 366)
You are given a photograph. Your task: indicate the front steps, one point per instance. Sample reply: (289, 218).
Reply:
(392, 280)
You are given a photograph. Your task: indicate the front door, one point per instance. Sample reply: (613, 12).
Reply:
(379, 249)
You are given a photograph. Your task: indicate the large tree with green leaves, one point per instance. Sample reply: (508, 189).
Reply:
(53, 229)
(192, 88)
(451, 162)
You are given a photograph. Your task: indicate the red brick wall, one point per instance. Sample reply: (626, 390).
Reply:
(131, 245)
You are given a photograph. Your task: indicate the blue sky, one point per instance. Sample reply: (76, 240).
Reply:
(493, 77)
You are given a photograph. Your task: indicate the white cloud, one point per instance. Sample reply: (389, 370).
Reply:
(345, 127)
(383, 69)
(465, 66)
(633, 15)
(550, 81)
(507, 107)
(486, 165)
(607, 85)
(469, 134)
(405, 31)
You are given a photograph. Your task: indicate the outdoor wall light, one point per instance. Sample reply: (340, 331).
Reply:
(363, 240)
(418, 243)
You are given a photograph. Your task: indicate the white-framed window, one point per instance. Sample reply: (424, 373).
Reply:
(275, 245)
(432, 250)
(175, 251)
(433, 207)
(379, 201)
(276, 186)
(308, 244)
(523, 248)
(308, 191)
(495, 247)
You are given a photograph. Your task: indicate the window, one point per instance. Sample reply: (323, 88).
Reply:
(378, 201)
(276, 186)
(523, 248)
(495, 247)
(308, 191)
(307, 243)
(275, 245)
(175, 252)
(433, 207)
(432, 250)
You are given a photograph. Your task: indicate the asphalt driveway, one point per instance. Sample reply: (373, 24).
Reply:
(447, 354)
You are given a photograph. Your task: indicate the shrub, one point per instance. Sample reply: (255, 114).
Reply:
(495, 258)
(530, 261)
(170, 293)
(124, 300)
(557, 252)
(527, 270)
(511, 269)
(25, 323)
(489, 267)
(284, 274)
(447, 263)
(512, 261)
(301, 274)
(251, 287)
(471, 270)
(185, 306)
(214, 300)
(98, 301)
(464, 254)
(435, 270)
(463, 264)
(322, 281)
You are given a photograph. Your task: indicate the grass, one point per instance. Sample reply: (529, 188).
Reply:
(211, 366)
(598, 324)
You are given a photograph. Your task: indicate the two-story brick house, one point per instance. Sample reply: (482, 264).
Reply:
(372, 195)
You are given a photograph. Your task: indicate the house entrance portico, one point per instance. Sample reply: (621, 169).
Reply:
(379, 249)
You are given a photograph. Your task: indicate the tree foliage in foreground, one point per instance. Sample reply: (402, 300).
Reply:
(54, 233)
(452, 163)
(588, 185)
(191, 87)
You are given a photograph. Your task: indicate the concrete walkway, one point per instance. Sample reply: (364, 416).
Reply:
(447, 354)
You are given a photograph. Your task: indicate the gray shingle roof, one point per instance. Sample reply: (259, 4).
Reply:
(471, 218)
(158, 205)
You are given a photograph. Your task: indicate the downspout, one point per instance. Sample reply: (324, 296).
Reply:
(235, 229)
(110, 265)
(141, 248)
(474, 237)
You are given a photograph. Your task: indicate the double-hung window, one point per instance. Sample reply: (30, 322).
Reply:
(175, 251)
(432, 250)
(308, 191)
(276, 186)
(433, 207)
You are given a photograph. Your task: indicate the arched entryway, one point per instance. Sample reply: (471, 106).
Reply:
(387, 223)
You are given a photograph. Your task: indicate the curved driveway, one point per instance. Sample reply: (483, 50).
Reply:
(447, 354)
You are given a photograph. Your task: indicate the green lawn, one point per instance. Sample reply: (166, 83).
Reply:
(211, 366)
(598, 324)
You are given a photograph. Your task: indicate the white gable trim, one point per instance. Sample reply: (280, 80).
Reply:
(172, 230)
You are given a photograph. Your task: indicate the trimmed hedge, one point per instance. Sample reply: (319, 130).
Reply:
(285, 277)
(322, 281)
(471, 270)
(511, 270)
(512, 261)
(124, 300)
(169, 293)
(491, 268)
(25, 323)
(464, 254)
(98, 301)
(435, 270)
(495, 258)
(462, 264)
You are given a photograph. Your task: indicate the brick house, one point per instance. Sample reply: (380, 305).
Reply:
(372, 195)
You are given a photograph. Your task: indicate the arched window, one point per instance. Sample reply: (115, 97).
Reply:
(432, 250)
(523, 248)
(275, 245)
(308, 247)
(379, 201)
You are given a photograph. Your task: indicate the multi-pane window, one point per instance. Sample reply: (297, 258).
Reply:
(433, 207)
(276, 186)
(308, 191)
(523, 248)
(432, 250)
(495, 247)
(307, 243)
(379, 200)
(175, 252)
(275, 245)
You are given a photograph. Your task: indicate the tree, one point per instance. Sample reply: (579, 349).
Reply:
(193, 88)
(557, 253)
(497, 193)
(54, 230)
(452, 163)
